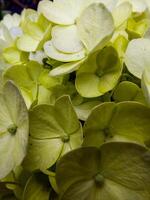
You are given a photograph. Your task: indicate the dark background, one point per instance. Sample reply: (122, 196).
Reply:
(11, 6)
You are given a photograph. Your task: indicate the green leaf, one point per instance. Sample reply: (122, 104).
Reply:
(110, 172)
(13, 129)
(137, 56)
(37, 188)
(113, 122)
(90, 26)
(54, 130)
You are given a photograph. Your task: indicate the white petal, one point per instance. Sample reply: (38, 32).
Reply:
(59, 12)
(27, 43)
(52, 52)
(37, 56)
(5, 35)
(137, 56)
(66, 39)
(138, 6)
(16, 32)
(95, 26)
(11, 20)
(110, 4)
(121, 13)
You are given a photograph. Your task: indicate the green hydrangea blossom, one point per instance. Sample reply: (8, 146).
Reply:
(74, 101)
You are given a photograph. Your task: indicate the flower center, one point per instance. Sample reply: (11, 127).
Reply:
(12, 129)
(65, 138)
(46, 64)
(99, 179)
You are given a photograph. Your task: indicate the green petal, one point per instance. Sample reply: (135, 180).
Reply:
(146, 85)
(37, 188)
(66, 39)
(128, 91)
(84, 110)
(25, 76)
(65, 68)
(110, 172)
(53, 53)
(54, 130)
(137, 56)
(88, 85)
(120, 44)
(42, 153)
(99, 74)
(137, 29)
(13, 129)
(33, 81)
(123, 121)
(90, 26)
(13, 56)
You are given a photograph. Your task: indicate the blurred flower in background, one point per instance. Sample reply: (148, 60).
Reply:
(16, 6)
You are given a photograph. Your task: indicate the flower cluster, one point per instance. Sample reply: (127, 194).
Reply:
(74, 101)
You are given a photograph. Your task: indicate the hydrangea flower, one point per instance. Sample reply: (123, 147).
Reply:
(78, 30)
